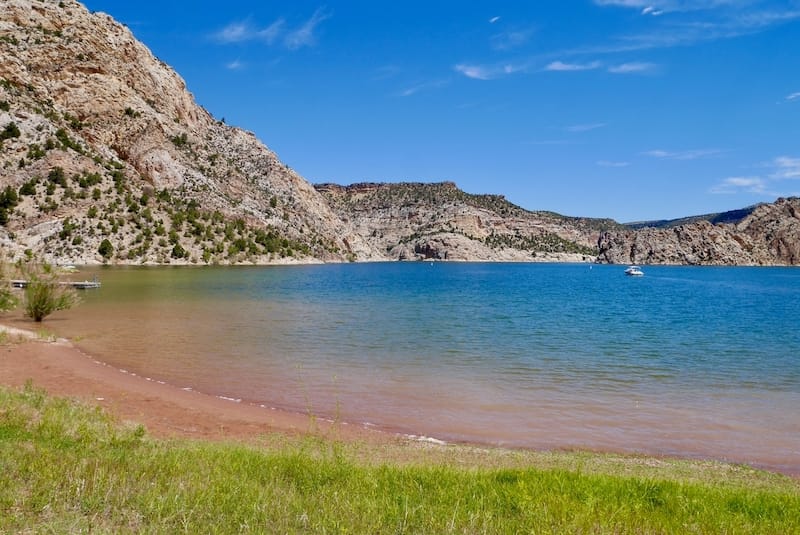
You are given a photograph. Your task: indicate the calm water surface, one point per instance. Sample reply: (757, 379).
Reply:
(698, 362)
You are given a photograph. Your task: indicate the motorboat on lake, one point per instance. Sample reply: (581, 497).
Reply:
(634, 271)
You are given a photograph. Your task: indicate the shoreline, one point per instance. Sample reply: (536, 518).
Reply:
(168, 411)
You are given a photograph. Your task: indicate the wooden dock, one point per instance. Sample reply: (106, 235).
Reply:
(78, 285)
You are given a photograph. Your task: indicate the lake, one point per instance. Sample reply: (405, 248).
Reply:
(687, 361)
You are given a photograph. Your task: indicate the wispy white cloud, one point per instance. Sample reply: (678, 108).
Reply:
(235, 32)
(489, 72)
(648, 7)
(511, 39)
(632, 68)
(475, 72)
(561, 66)
(793, 96)
(650, 10)
(235, 65)
(694, 154)
(608, 163)
(494, 20)
(739, 184)
(272, 32)
(779, 170)
(304, 35)
(696, 21)
(278, 32)
(584, 127)
(423, 86)
(785, 167)
(238, 32)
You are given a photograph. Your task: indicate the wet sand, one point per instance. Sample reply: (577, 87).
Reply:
(165, 410)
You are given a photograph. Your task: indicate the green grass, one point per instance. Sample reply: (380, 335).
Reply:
(68, 468)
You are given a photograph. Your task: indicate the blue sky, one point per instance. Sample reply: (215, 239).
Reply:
(628, 109)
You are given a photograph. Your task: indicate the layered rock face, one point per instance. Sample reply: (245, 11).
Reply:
(769, 235)
(439, 221)
(88, 98)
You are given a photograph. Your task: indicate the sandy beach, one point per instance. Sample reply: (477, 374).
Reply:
(165, 410)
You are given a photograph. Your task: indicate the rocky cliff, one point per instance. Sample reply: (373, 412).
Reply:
(439, 221)
(769, 235)
(105, 143)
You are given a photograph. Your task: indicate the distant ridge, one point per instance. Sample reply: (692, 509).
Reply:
(732, 217)
(767, 235)
(414, 220)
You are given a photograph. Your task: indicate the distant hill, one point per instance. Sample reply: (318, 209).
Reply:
(769, 234)
(440, 221)
(731, 217)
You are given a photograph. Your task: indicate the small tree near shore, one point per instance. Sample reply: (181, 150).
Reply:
(8, 301)
(44, 294)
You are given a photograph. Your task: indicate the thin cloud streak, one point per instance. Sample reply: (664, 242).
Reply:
(782, 168)
(608, 163)
(275, 33)
(683, 155)
(632, 68)
(476, 72)
(688, 22)
(584, 127)
(560, 66)
(511, 39)
(737, 184)
(488, 72)
(304, 35)
(786, 168)
(424, 86)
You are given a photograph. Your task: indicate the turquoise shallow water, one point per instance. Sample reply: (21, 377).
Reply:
(699, 362)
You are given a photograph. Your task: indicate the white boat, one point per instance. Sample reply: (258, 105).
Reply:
(634, 271)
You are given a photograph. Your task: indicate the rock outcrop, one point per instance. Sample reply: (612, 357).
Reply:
(769, 235)
(439, 221)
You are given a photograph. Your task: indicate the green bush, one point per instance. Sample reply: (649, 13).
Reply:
(29, 187)
(10, 131)
(44, 294)
(8, 300)
(106, 249)
(179, 140)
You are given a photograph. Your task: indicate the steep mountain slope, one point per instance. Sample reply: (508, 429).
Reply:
(413, 220)
(769, 235)
(112, 146)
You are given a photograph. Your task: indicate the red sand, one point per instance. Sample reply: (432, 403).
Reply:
(165, 410)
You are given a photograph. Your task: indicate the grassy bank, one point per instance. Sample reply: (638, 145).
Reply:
(68, 468)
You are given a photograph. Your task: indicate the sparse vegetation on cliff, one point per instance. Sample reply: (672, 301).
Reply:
(415, 220)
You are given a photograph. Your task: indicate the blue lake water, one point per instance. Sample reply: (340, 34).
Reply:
(698, 362)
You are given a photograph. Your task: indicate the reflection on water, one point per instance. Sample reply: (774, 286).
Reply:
(689, 361)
